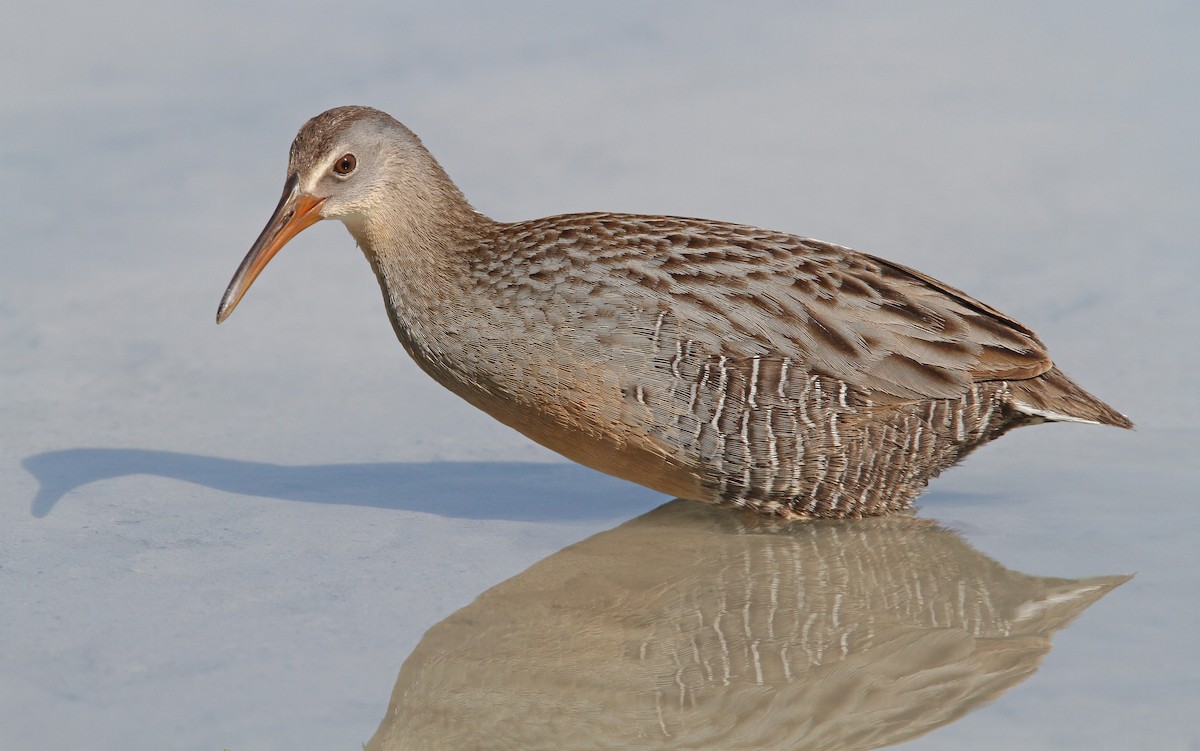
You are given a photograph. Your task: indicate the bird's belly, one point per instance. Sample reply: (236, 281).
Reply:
(738, 435)
(593, 430)
(576, 411)
(763, 433)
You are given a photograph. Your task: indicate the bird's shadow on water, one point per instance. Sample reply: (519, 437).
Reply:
(516, 491)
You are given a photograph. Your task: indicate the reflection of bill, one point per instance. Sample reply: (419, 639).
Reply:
(690, 627)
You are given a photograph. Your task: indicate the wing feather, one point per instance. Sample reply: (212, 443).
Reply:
(892, 332)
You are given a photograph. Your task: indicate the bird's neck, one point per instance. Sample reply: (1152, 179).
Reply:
(419, 234)
(419, 243)
(421, 220)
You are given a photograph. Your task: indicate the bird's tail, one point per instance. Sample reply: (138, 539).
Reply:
(1055, 397)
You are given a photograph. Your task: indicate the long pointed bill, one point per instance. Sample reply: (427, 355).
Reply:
(294, 213)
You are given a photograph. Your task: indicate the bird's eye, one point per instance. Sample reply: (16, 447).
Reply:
(345, 165)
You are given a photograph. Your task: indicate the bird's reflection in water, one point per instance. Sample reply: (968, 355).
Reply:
(692, 627)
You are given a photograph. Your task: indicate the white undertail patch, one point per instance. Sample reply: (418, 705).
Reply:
(1049, 414)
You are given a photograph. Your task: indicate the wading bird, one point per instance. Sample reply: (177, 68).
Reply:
(707, 360)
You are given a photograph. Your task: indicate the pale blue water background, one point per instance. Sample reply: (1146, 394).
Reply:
(233, 537)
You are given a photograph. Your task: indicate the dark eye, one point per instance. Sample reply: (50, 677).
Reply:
(345, 165)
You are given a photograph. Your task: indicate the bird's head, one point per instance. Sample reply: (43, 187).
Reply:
(348, 163)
